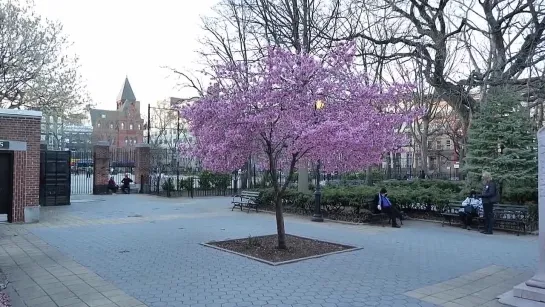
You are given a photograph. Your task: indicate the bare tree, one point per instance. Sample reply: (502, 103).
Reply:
(421, 130)
(439, 33)
(34, 73)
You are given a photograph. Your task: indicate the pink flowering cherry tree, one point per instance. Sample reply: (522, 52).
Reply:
(292, 106)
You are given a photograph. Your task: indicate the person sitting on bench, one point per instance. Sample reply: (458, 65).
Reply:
(112, 186)
(126, 184)
(470, 209)
(386, 206)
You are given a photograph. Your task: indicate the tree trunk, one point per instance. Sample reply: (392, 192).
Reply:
(424, 146)
(280, 223)
(540, 114)
(369, 176)
(249, 174)
(244, 177)
(388, 166)
(302, 178)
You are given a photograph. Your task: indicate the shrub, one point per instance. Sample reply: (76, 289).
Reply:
(221, 181)
(168, 185)
(409, 195)
(187, 184)
(205, 180)
(352, 203)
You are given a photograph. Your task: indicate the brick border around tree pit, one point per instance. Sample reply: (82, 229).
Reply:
(349, 248)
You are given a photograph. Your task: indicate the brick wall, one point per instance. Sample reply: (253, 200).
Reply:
(142, 164)
(20, 126)
(101, 162)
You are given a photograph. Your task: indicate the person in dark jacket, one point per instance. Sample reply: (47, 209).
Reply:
(112, 186)
(126, 184)
(490, 196)
(384, 205)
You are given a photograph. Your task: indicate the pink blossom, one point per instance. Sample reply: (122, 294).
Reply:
(267, 110)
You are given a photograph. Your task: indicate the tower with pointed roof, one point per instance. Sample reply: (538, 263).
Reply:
(126, 94)
(122, 127)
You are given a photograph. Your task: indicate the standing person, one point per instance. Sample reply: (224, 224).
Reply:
(386, 206)
(490, 196)
(126, 184)
(470, 208)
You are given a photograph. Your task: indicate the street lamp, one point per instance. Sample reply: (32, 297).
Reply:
(317, 216)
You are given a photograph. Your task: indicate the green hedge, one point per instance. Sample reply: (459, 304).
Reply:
(352, 203)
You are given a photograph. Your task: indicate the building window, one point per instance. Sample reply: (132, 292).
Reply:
(448, 144)
(126, 140)
(130, 127)
(433, 162)
(122, 126)
(111, 126)
(138, 126)
(439, 145)
(103, 115)
(430, 144)
(98, 125)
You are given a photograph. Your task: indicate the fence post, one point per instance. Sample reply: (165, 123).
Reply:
(235, 185)
(101, 167)
(142, 163)
(192, 185)
(142, 185)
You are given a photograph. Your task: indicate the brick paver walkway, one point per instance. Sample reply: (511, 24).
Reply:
(134, 249)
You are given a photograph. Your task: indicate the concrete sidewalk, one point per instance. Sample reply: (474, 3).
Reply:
(39, 275)
(131, 250)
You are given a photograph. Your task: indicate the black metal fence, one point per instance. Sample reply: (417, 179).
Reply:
(192, 186)
(81, 168)
(122, 163)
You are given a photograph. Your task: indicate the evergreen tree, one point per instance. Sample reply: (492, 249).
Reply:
(502, 141)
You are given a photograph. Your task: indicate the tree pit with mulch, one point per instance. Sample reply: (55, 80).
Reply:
(266, 248)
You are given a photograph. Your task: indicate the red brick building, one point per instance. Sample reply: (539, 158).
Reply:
(20, 165)
(122, 127)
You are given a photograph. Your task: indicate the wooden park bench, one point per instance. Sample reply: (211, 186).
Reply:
(451, 212)
(506, 217)
(380, 217)
(246, 199)
(510, 218)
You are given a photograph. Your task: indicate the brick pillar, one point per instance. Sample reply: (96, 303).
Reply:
(101, 167)
(142, 166)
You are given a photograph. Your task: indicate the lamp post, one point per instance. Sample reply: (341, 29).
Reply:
(317, 216)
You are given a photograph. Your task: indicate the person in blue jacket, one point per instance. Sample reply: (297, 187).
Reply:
(385, 205)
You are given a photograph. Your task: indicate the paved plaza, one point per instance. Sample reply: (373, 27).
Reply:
(139, 250)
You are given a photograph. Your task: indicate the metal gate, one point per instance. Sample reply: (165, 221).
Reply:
(122, 163)
(55, 178)
(81, 166)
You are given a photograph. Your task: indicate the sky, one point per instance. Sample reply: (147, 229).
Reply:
(118, 38)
